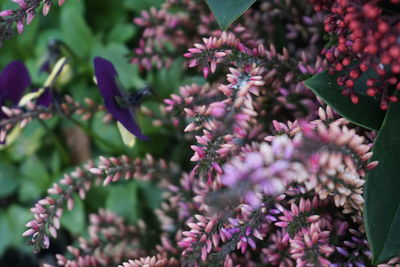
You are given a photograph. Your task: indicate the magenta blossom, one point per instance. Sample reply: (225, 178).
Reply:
(118, 103)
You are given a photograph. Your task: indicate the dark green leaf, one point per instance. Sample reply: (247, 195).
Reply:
(121, 33)
(139, 5)
(74, 220)
(34, 169)
(152, 193)
(35, 179)
(226, 11)
(8, 179)
(123, 201)
(366, 113)
(17, 217)
(382, 197)
(5, 232)
(75, 31)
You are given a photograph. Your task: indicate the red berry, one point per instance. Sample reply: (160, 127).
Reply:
(358, 45)
(371, 49)
(393, 98)
(370, 82)
(383, 27)
(346, 61)
(381, 72)
(341, 47)
(386, 59)
(350, 83)
(393, 80)
(354, 99)
(395, 68)
(354, 74)
(363, 67)
(394, 51)
(371, 11)
(371, 92)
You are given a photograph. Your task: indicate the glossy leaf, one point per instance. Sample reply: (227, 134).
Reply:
(226, 11)
(382, 198)
(367, 113)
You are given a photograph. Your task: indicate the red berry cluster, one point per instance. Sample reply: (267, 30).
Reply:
(368, 39)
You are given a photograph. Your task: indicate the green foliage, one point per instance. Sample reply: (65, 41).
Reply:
(366, 113)
(74, 220)
(382, 198)
(123, 200)
(228, 11)
(5, 233)
(75, 32)
(8, 179)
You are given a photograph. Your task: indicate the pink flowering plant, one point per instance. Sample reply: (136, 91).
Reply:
(201, 133)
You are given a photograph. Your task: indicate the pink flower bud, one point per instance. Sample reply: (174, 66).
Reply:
(6, 13)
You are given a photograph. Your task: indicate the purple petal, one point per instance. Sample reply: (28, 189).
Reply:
(45, 99)
(106, 81)
(106, 76)
(13, 81)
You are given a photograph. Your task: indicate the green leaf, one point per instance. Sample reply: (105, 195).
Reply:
(75, 31)
(17, 217)
(8, 179)
(74, 220)
(34, 169)
(35, 179)
(382, 198)
(5, 233)
(139, 5)
(367, 113)
(121, 33)
(226, 11)
(123, 201)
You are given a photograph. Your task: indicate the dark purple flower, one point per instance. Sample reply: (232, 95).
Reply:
(13, 81)
(45, 98)
(117, 102)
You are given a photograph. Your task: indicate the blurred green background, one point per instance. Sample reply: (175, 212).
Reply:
(42, 152)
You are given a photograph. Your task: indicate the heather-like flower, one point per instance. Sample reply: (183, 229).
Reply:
(14, 79)
(298, 217)
(277, 253)
(311, 247)
(121, 105)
